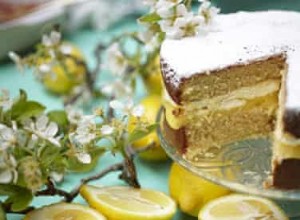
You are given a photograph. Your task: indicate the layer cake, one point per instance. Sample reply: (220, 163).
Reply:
(238, 82)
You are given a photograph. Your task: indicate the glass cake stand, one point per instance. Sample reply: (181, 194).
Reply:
(242, 166)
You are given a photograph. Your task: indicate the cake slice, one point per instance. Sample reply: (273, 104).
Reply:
(241, 81)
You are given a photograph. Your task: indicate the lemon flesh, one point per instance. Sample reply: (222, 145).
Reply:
(241, 207)
(119, 203)
(191, 192)
(151, 106)
(63, 211)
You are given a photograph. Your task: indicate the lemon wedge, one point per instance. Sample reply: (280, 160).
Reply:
(64, 211)
(120, 203)
(241, 207)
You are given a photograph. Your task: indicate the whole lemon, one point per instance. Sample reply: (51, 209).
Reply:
(191, 192)
(153, 80)
(66, 75)
(151, 106)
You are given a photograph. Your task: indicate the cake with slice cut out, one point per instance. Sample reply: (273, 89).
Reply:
(240, 81)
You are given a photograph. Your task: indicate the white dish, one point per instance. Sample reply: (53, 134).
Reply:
(20, 33)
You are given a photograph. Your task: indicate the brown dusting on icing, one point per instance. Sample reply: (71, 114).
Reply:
(169, 77)
(291, 123)
(286, 174)
(175, 137)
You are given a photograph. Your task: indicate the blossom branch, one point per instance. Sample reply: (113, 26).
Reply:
(51, 190)
(128, 174)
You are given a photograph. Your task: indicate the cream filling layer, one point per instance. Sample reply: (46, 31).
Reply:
(283, 150)
(176, 114)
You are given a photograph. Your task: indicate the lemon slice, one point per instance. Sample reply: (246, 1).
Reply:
(64, 211)
(120, 203)
(241, 207)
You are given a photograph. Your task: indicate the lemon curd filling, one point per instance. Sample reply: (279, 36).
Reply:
(177, 116)
(173, 112)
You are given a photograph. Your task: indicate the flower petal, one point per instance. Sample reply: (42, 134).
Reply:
(116, 104)
(51, 130)
(84, 158)
(56, 176)
(41, 123)
(6, 176)
(138, 111)
(107, 129)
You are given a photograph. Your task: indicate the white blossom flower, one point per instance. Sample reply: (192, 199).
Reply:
(167, 3)
(66, 48)
(117, 88)
(107, 129)
(5, 101)
(74, 115)
(138, 111)
(56, 176)
(153, 44)
(8, 169)
(44, 68)
(84, 157)
(86, 130)
(169, 16)
(8, 137)
(44, 129)
(146, 36)
(33, 140)
(186, 26)
(150, 3)
(117, 63)
(208, 11)
(117, 105)
(127, 107)
(16, 59)
(83, 92)
(52, 39)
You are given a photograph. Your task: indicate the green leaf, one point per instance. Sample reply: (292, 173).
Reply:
(150, 18)
(22, 108)
(19, 197)
(137, 134)
(60, 118)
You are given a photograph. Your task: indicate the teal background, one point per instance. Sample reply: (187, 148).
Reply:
(151, 175)
(228, 6)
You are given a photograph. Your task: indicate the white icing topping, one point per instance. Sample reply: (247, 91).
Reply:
(241, 38)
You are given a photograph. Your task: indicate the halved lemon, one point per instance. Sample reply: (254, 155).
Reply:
(241, 207)
(64, 211)
(120, 203)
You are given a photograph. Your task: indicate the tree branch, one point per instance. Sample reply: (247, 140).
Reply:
(51, 190)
